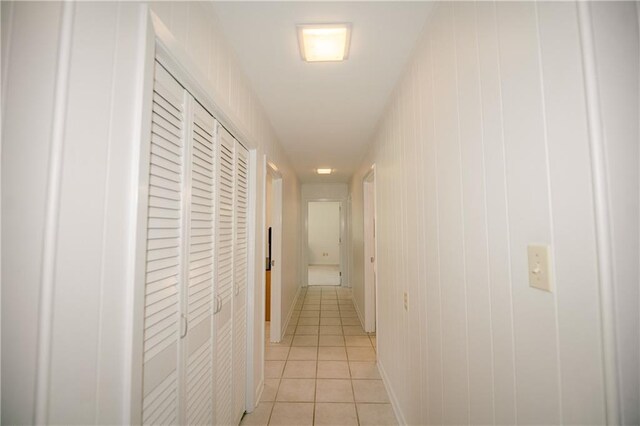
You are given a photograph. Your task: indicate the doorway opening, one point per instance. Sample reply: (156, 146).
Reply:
(324, 243)
(370, 255)
(273, 251)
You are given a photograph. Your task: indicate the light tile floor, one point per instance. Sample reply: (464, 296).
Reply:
(324, 371)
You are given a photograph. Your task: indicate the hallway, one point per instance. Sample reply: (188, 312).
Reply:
(324, 370)
(157, 157)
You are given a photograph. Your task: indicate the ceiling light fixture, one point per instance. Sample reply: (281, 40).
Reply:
(324, 42)
(324, 171)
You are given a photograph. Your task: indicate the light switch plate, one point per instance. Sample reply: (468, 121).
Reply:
(539, 267)
(406, 301)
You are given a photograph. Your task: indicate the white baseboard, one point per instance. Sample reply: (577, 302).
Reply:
(258, 393)
(285, 324)
(360, 316)
(392, 395)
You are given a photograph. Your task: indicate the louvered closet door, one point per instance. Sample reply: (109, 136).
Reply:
(199, 308)
(240, 286)
(224, 279)
(163, 257)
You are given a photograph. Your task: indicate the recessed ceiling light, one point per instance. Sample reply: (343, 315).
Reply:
(324, 171)
(324, 42)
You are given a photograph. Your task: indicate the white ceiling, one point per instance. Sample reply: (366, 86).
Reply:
(323, 113)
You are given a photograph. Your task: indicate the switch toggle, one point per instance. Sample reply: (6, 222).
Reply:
(539, 267)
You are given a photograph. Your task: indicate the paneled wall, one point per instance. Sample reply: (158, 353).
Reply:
(483, 150)
(72, 96)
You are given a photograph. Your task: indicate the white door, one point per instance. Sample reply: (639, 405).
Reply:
(224, 278)
(240, 263)
(200, 252)
(194, 367)
(165, 241)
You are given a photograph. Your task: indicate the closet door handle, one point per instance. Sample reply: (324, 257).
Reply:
(218, 304)
(185, 326)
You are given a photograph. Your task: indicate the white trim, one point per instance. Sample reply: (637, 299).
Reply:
(602, 215)
(258, 392)
(291, 309)
(395, 404)
(370, 288)
(276, 330)
(253, 280)
(52, 213)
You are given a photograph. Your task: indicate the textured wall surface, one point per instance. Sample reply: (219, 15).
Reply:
(483, 150)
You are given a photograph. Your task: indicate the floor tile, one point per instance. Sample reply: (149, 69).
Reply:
(330, 321)
(369, 391)
(333, 370)
(333, 414)
(307, 329)
(353, 330)
(350, 321)
(330, 314)
(327, 340)
(327, 307)
(331, 329)
(376, 415)
(357, 341)
(364, 370)
(287, 413)
(275, 353)
(285, 341)
(334, 390)
(259, 416)
(273, 369)
(309, 321)
(300, 370)
(301, 340)
(357, 353)
(332, 353)
(296, 390)
(303, 353)
(270, 389)
(310, 314)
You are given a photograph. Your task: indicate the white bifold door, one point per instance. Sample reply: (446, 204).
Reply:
(194, 366)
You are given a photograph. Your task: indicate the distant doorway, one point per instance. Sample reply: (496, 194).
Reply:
(324, 243)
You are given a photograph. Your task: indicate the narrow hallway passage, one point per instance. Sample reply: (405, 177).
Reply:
(324, 371)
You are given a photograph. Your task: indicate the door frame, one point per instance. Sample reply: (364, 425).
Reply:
(370, 252)
(271, 170)
(343, 240)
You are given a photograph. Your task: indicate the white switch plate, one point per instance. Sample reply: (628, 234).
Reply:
(539, 267)
(406, 301)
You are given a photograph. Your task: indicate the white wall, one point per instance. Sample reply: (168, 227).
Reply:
(32, 28)
(92, 211)
(483, 150)
(616, 49)
(323, 233)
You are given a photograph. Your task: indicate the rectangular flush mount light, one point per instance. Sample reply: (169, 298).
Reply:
(324, 42)
(324, 171)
